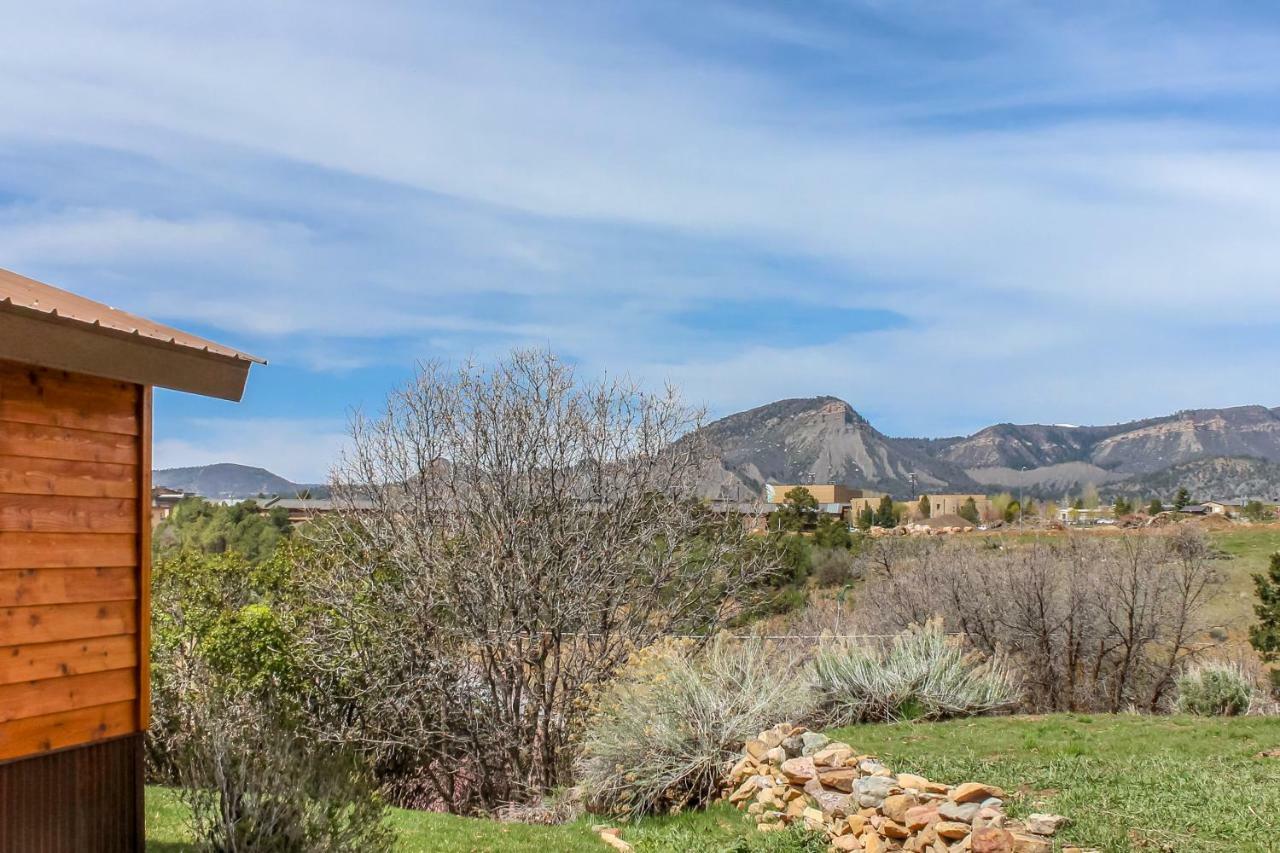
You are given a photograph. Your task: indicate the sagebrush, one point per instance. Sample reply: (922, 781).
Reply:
(665, 731)
(1215, 688)
(920, 674)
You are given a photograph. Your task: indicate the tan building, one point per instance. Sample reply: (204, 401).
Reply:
(823, 493)
(866, 499)
(951, 504)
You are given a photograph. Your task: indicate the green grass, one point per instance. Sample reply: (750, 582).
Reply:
(1251, 549)
(1127, 782)
(718, 830)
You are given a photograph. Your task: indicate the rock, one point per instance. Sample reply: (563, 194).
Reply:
(993, 803)
(895, 806)
(840, 778)
(959, 812)
(772, 738)
(918, 817)
(990, 839)
(832, 755)
(609, 835)
(1026, 843)
(1045, 824)
(757, 748)
(776, 755)
(872, 843)
(910, 780)
(951, 830)
(814, 818)
(893, 829)
(847, 842)
(799, 770)
(832, 803)
(870, 766)
(813, 742)
(974, 792)
(792, 746)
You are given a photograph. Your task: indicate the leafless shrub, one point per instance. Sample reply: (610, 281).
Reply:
(1092, 623)
(507, 538)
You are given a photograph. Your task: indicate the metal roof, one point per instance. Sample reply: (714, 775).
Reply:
(27, 294)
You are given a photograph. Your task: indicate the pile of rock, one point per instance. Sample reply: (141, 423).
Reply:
(791, 775)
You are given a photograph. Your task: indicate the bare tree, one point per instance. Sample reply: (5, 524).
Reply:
(506, 537)
(1092, 623)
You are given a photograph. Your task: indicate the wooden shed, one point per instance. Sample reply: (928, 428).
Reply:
(75, 476)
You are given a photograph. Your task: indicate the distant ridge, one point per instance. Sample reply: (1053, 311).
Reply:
(227, 480)
(823, 439)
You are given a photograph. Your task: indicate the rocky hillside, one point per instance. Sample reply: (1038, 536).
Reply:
(226, 480)
(823, 438)
(1219, 477)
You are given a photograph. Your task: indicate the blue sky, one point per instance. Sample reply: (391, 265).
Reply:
(947, 214)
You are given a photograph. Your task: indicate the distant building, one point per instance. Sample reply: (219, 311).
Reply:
(1195, 509)
(951, 504)
(163, 501)
(823, 493)
(305, 509)
(1227, 508)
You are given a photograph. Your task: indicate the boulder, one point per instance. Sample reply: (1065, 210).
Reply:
(990, 839)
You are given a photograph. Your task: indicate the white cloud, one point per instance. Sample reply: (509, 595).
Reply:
(1021, 183)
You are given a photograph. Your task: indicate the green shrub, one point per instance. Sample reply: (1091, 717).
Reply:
(665, 731)
(921, 675)
(256, 785)
(835, 567)
(1215, 689)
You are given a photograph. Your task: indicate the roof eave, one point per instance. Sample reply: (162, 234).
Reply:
(49, 340)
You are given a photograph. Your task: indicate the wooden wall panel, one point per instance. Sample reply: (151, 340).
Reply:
(74, 496)
(50, 623)
(70, 657)
(24, 475)
(27, 587)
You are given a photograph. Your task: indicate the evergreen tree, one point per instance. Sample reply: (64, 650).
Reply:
(1079, 504)
(1155, 507)
(926, 509)
(866, 517)
(1255, 511)
(1181, 499)
(1121, 507)
(1030, 509)
(969, 511)
(1012, 511)
(886, 515)
(799, 511)
(1265, 636)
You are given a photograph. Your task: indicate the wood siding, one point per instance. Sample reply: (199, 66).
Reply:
(74, 573)
(83, 800)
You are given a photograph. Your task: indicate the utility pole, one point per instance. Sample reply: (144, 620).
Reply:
(912, 475)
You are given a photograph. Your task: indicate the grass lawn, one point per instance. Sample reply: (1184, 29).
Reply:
(718, 830)
(1251, 549)
(1128, 782)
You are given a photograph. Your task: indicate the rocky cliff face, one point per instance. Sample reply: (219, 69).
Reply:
(825, 439)
(819, 438)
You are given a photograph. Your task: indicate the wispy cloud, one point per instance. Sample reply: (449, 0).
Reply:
(1020, 188)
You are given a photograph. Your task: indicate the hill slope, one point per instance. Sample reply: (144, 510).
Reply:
(225, 480)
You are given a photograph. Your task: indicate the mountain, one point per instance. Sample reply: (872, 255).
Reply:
(227, 480)
(824, 439)
(818, 438)
(1221, 477)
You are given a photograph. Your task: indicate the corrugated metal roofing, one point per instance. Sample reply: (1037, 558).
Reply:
(27, 294)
